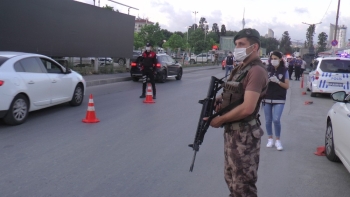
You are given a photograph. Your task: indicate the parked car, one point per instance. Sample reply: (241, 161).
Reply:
(30, 82)
(337, 135)
(204, 57)
(329, 75)
(75, 61)
(166, 67)
(135, 55)
(102, 61)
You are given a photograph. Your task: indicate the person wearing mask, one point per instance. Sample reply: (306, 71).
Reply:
(275, 98)
(242, 134)
(230, 61)
(303, 67)
(148, 63)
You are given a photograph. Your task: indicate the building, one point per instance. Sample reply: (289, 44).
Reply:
(340, 37)
(270, 34)
(139, 23)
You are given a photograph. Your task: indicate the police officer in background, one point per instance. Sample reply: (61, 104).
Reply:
(297, 68)
(291, 67)
(148, 64)
(242, 135)
(230, 60)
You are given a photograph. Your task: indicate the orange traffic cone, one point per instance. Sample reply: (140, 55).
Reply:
(90, 114)
(149, 95)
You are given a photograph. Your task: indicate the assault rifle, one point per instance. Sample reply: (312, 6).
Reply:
(207, 111)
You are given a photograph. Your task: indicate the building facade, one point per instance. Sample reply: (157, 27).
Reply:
(139, 23)
(340, 37)
(270, 34)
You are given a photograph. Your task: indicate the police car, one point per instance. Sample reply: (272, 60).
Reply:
(329, 75)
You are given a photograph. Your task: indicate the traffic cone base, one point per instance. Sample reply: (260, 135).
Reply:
(149, 95)
(320, 151)
(90, 114)
(303, 93)
(308, 102)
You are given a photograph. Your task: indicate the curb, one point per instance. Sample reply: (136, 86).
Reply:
(120, 79)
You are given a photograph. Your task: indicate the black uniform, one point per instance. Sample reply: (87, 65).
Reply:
(149, 62)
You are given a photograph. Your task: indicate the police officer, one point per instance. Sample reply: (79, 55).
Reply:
(230, 60)
(149, 61)
(297, 68)
(246, 85)
(291, 67)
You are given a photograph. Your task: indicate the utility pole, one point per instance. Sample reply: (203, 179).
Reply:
(195, 13)
(336, 22)
(243, 21)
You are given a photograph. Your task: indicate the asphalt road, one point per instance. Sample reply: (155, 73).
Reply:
(141, 149)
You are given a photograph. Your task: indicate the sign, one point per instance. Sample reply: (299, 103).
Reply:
(334, 43)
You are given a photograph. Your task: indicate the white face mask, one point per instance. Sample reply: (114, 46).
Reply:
(241, 53)
(275, 63)
(148, 48)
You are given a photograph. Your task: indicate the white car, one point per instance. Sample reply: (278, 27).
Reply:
(329, 75)
(337, 136)
(30, 82)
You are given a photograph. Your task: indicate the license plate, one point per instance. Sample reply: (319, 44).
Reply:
(335, 84)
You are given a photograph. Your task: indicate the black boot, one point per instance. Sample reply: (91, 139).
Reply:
(143, 96)
(154, 97)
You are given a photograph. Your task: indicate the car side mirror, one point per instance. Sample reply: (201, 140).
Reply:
(339, 96)
(68, 71)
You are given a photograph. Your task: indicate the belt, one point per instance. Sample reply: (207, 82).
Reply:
(239, 125)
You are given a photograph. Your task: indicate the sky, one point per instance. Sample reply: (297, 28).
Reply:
(278, 15)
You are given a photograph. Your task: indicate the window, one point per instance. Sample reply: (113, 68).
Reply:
(18, 67)
(335, 66)
(51, 66)
(2, 60)
(171, 60)
(31, 65)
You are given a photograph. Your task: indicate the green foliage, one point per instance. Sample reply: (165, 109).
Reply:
(310, 32)
(271, 45)
(200, 46)
(322, 42)
(152, 33)
(167, 34)
(138, 41)
(108, 7)
(285, 47)
(175, 42)
(195, 36)
(214, 36)
(231, 33)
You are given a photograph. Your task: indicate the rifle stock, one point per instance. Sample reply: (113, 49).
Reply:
(207, 111)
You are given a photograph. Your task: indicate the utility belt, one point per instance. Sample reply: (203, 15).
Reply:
(241, 124)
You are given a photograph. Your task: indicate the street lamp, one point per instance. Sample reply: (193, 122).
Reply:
(195, 13)
(205, 30)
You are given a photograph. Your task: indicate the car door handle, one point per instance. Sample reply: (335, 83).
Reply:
(31, 82)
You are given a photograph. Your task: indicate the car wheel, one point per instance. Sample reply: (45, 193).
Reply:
(78, 96)
(135, 79)
(18, 111)
(163, 76)
(329, 144)
(121, 62)
(179, 75)
(192, 61)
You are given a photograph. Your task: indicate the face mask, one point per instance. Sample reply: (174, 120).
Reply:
(275, 62)
(148, 48)
(241, 53)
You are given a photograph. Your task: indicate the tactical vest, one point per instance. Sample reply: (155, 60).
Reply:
(275, 93)
(233, 90)
(229, 60)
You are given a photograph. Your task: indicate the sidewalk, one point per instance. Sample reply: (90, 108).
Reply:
(101, 79)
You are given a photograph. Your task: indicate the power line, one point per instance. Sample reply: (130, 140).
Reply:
(326, 10)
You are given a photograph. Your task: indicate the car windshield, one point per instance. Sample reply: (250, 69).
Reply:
(3, 59)
(335, 66)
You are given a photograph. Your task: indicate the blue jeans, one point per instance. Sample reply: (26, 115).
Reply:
(273, 112)
(228, 68)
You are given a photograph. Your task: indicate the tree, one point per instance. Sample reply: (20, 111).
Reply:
(310, 32)
(202, 22)
(180, 33)
(175, 42)
(271, 45)
(108, 7)
(167, 34)
(322, 42)
(285, 43)
(215, 28)
(214, 36)
(138, 42)
(231, 33)
(151, 33)
(223, 30)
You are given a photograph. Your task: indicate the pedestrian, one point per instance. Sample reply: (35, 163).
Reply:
(148, 64)
(291, 67)
(275, 98)
(303, 66)
(297, 68)
(230, 61)
(242, 134)
(216, 61)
